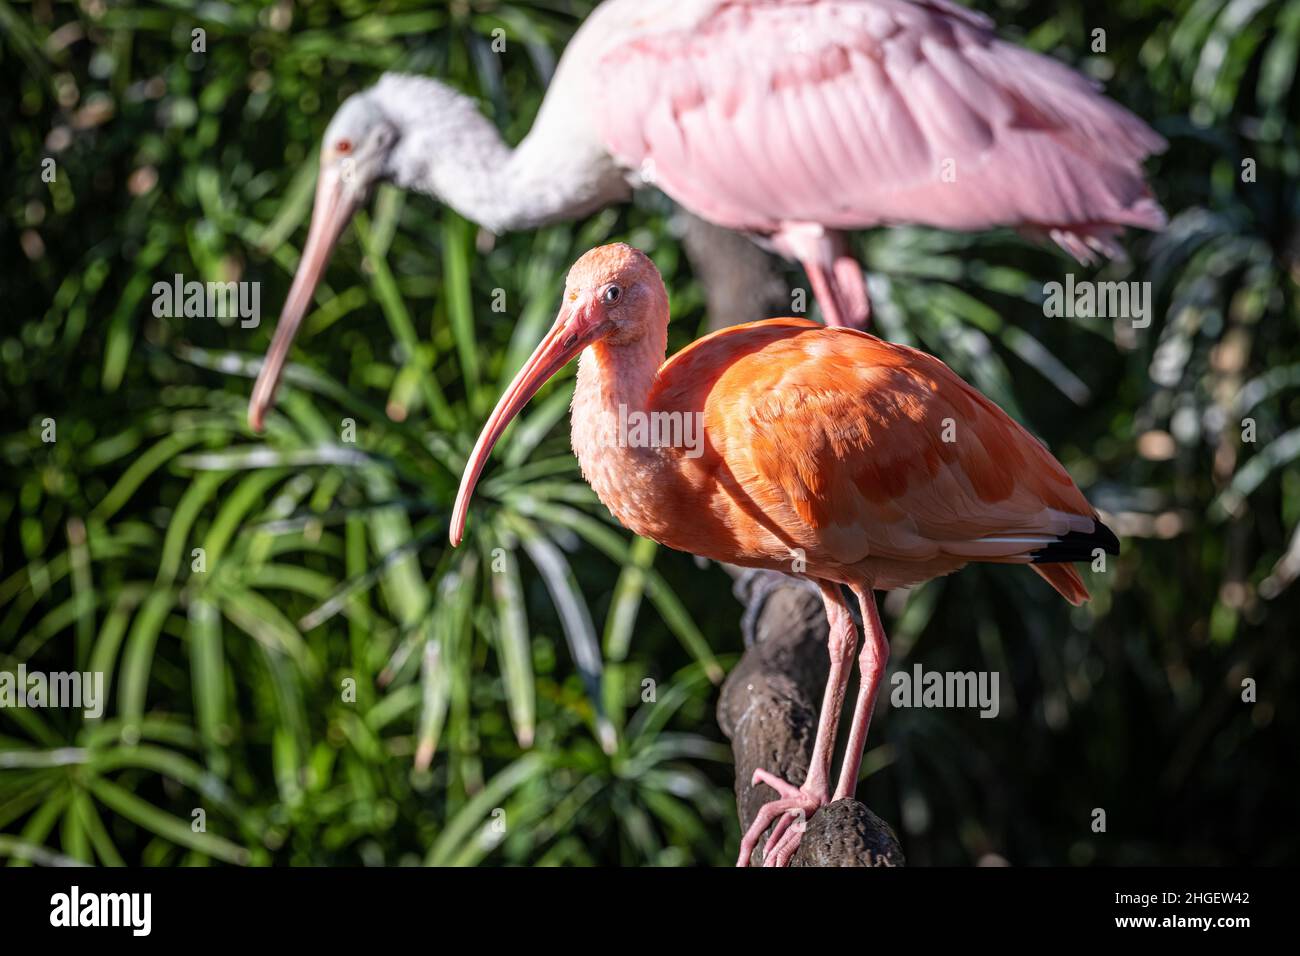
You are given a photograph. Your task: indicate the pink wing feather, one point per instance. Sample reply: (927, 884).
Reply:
(770, 113)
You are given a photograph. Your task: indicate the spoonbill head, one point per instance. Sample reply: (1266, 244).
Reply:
(357, 153)
(420, 134)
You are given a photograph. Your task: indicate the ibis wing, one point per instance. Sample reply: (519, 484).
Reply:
(857, 448)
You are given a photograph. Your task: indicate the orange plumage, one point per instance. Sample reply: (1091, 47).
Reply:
(868, 461)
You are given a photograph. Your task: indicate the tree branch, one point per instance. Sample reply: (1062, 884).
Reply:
(768, 709)
(742, 283)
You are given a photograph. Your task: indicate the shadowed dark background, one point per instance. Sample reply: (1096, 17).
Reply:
(230, 689)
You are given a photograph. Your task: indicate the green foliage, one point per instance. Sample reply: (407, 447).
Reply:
(338, 686)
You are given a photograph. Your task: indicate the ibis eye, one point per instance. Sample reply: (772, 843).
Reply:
(612, 294)
(343, 147)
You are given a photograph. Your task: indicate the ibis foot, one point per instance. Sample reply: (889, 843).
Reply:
(790, 813)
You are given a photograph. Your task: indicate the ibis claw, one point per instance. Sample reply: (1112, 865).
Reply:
(789, 813)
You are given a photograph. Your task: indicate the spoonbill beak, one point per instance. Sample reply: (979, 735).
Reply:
(334, 206)
(578, 325)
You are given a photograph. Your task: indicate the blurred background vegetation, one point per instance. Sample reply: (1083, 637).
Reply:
(499, 713)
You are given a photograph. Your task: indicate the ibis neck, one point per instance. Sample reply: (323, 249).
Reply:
(613, 376)
(448, 149)
(610, 403)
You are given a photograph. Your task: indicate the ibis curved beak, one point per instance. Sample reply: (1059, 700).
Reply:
(576, 327)
(334, 206)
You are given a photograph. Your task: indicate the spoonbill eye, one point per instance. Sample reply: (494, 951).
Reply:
(612, 294)
(343, 146)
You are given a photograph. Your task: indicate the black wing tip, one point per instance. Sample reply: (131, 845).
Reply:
(1078, 545)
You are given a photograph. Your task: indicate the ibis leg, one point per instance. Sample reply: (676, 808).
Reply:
(795, 804)
(871, 669)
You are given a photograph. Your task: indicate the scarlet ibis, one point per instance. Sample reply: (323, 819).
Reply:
(791, 445)
(788, 120)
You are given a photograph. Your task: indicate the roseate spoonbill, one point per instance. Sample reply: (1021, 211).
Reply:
(872, 464)
(789, 120)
